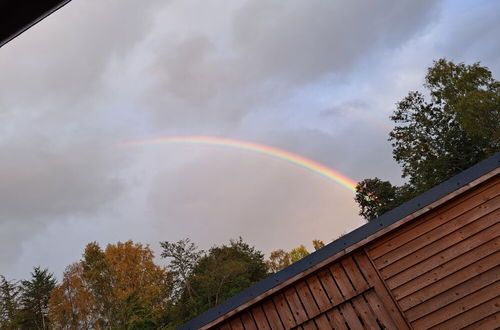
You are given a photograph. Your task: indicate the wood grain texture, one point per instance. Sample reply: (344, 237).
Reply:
(468, 272)
(471, 316)
(260, 318)
(446, 269)
(457, 307)
(283, 310)
(434, 218)
(248, 322)
(440, 244)
(451, 252)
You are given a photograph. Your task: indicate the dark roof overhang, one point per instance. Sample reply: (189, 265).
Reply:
(16, 16)
(417, 205)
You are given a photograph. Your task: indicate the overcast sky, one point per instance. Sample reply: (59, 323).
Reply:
(316, 78)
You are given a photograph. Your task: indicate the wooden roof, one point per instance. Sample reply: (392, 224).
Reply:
(393, 219)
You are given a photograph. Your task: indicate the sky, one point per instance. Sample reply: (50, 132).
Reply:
(316, 78)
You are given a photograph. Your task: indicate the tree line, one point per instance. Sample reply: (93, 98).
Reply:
(121, 286)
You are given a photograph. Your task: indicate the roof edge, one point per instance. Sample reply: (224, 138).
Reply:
(461, 180)
(33, 22)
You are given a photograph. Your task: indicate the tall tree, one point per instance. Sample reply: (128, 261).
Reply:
(34, 300)
(219, 274)
(437, 138)
(118, 288)
(72, 305)
(9, 303)
(183, 257)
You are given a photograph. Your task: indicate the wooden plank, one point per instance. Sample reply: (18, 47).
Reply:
(489, 322)
(452, 252)
(331, 288)
(309, 325)
(378, 308)
(248, 322)
(236, 324)
(365, 313)
(446, 269)
(336, 319)
(345, 286)
(283, 310)
(318, 293)
(472, 315)
(354, 274)
(453, 294)
(260, 318)
(441, 244)
(383, 294)
(460, 306)
(434, 218)
(350, 315)
(272, 315)
(482, 265)
(295, 305)
(322, 322)
(307, 299)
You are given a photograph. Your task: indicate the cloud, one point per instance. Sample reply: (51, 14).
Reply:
(41, 185)
(269, 51)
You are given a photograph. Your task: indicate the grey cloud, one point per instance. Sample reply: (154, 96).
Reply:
(273, 49)
(41, 185)
(62, 59)
(473, 37)
(301, 41)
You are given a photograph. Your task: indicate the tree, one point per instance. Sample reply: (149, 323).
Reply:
(34, 300)
(436, 139)
(318, 244)
(280, 259)
(298, 253)
(183, 256)
(72, 305)
(219, 274)
(119, 288)
(9, 303)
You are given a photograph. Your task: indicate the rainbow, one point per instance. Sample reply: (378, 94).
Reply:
(253, 147)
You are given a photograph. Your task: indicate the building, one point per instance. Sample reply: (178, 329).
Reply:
(432, 262)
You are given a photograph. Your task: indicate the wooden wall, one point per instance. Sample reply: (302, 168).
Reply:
(439, 271)
(443, 270)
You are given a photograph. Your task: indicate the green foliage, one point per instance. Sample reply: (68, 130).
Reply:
(34, 300)
(436, 139)
(219, 274)
(280, 258)
(298, 253)
(318, 244)
(183, 255)
(9, 303)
